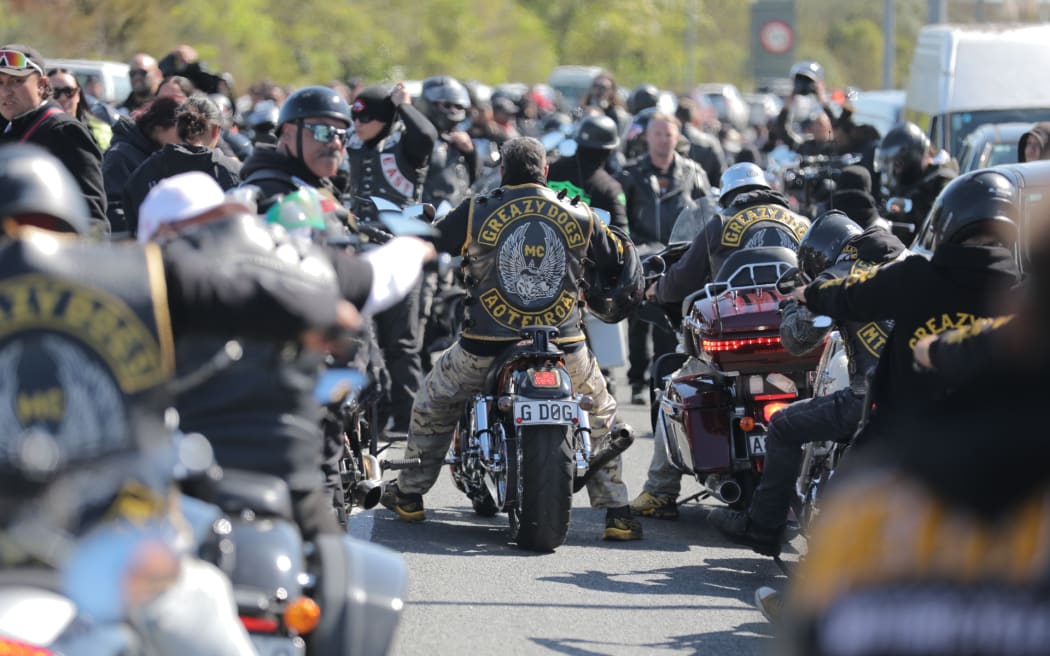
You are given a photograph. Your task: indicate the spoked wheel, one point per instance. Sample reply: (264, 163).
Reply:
(539, 519)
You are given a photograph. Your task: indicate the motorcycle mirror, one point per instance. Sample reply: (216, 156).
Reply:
(788, 281)
(567, 148)
(407, 222)
(822, 321)
(603, 215)
(334, 385)
(898, 205)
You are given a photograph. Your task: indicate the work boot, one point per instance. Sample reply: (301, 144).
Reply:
(738, 527)
(619, 525)
(639, 393)
(408, 507)
(769, 603)
(655, 506)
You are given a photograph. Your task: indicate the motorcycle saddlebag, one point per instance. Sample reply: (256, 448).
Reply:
(696, 414)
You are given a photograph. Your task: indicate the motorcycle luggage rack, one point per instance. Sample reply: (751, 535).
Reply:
(749, 276)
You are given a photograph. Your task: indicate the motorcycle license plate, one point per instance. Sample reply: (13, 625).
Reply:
(277, 646)
(757, 444)
(544, 412)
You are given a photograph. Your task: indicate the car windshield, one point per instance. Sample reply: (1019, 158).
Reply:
(963, 123)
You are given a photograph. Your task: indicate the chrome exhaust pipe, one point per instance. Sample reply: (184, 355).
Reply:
(725, 490)
(367, 493)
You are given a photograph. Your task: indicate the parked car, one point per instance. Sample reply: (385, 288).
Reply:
(991, 144)
(727, 101)
(116, 86)
(572, 82)
(1032, 180)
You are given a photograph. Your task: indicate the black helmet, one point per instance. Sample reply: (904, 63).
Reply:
(982, 201)
(899, 156)
(598, 133)
(824, 241)
(313, 102)
(35, 184)
(643, 97)
(444, 101)
(634, 143)
(611, 297)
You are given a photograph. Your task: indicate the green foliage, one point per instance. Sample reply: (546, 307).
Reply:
(667, 42)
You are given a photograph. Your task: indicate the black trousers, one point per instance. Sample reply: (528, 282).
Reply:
(398, 332)
(638, 339)
(832, 417)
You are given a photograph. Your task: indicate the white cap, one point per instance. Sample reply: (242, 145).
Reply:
(179, 197)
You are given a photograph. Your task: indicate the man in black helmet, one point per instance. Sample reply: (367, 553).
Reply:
(312, 131)
(489, 231)
(971, 269)
(454, 163)
(833, 248)
(911, 170)
(583, 174)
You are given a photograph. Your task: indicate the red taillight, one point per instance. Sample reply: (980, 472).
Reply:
(9, 647)
(771, 409)
(775, 397)
(259, 624)
(715, 345)
(545, 378)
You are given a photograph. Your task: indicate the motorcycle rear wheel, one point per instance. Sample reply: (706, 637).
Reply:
(539, 520)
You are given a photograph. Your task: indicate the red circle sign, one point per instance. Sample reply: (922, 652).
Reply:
(776, 37)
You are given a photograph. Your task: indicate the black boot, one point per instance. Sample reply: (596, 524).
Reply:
(738, 527)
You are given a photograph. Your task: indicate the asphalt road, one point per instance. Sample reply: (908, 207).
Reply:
(681, 590)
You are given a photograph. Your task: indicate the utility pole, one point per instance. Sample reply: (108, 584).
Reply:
(938, 11)
(690, 44)
(889, 43)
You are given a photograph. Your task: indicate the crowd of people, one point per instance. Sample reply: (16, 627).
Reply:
(182, 151)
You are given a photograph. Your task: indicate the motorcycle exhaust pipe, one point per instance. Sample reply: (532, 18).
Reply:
(620, 438)
(725, 490)
(367, 493)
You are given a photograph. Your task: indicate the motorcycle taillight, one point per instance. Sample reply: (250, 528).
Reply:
(259, 624)
(545, 379)
(16, 648)
(756, 343)
(771, 409)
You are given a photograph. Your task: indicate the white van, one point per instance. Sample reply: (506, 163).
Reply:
(114, 76)
(963, 76)
(573, 82)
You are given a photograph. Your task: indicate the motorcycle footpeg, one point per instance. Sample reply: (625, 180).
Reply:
(400, 463)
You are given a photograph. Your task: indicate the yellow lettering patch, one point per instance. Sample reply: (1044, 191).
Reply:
(44, 405)
(503, 313)
(103, 322)
(873, 337)
(734, 229)
(537, 207)
(940, 323)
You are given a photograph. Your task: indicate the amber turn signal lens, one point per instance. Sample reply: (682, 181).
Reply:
(747, 424)
(302, 615)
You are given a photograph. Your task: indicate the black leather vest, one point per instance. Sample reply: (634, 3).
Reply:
(447, 176)
(85, 344)
(383, 172)
(523, 260)
(756, 226)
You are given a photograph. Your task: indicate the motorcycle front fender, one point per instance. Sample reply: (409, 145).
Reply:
(33, 615)
(361, 591)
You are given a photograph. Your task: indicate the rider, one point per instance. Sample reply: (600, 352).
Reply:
(584, 175)
(911, 170)
(454, 163)
(972, 266)
(753, 215)
(259, 412)
(312, 132)
(834, 248)
(94, 350)
(488, 231)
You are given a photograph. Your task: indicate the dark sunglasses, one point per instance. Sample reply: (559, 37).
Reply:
(362, 117)
(138, 72)
(68, 92)
(451, 107)
(325, 133)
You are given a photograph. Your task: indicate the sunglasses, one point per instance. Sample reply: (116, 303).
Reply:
(325, 133)
(138, 72)
(451, 107)
(362, 117)
(67, 92)
(15, 59)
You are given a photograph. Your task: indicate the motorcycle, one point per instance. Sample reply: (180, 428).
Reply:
(523, 445)
(718, 396)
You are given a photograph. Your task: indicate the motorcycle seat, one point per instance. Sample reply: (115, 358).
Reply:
(511, 354)
(733, 272)
(264, 495)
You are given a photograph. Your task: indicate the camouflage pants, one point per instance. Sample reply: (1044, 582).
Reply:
(456, 377)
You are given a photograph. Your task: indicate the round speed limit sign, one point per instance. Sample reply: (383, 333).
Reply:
(776, 37)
